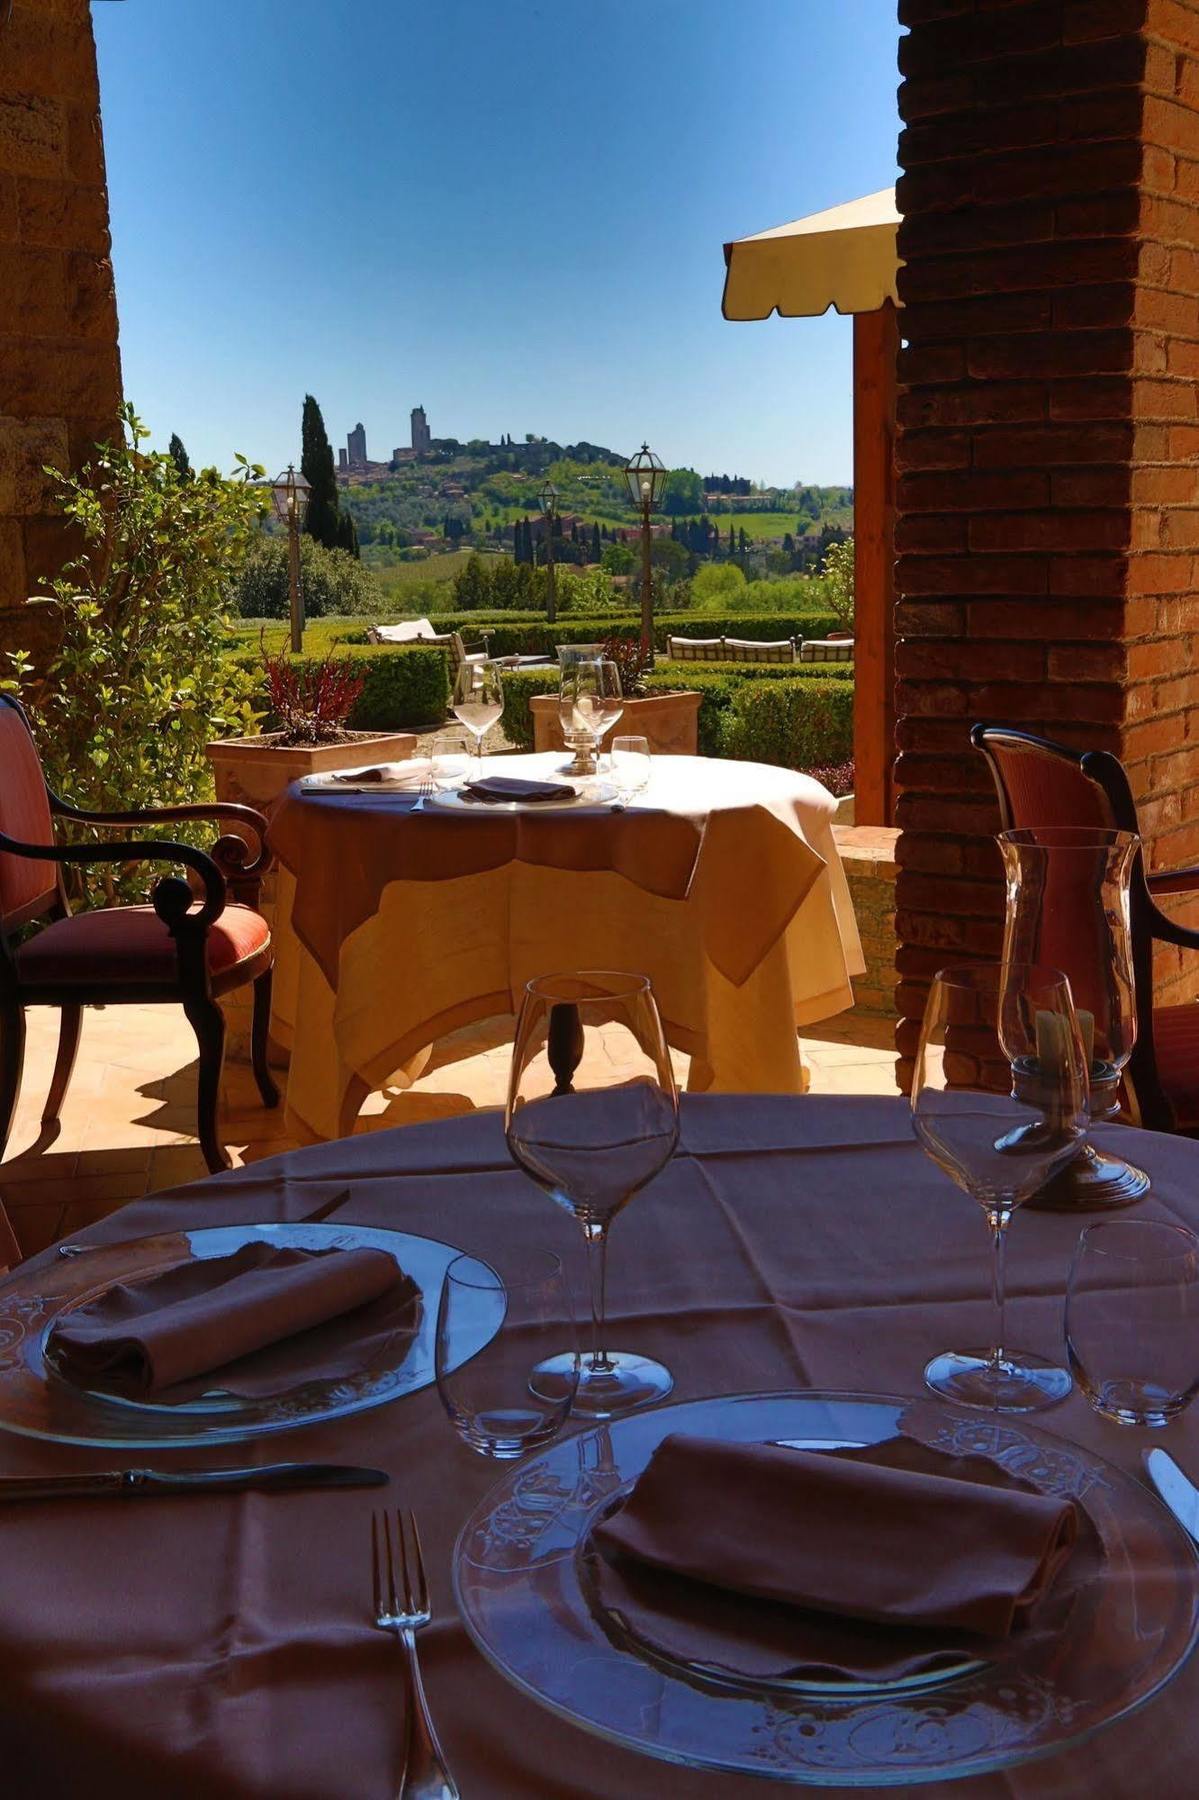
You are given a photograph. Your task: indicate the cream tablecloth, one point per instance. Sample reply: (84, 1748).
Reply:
(399, 923)
(219, 1648)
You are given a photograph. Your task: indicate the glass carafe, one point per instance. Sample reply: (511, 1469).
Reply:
(1068, 907)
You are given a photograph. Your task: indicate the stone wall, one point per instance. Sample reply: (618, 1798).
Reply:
(868, 858)
(60, 376)
(1048, 450)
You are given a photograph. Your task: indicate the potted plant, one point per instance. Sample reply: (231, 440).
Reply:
(312, 702)
(670, 721)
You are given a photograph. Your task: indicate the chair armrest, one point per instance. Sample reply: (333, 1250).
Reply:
(242, 864)
(1173, 881)
(172, 898)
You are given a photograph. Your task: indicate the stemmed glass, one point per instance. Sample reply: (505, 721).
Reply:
(999, 1102)
(589, 704)
(478, 702)
(592, 1117)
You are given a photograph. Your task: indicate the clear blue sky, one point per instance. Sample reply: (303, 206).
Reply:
(511, 211)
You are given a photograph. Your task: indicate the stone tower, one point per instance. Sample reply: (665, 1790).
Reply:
(422, 438)
(357, 445)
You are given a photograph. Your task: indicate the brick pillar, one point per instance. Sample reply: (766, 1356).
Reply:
(60, 377)
(1048, 446)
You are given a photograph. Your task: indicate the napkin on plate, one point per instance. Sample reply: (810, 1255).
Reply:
(869, 1563)
(496, 788)
(393, 774)
(258, 1311)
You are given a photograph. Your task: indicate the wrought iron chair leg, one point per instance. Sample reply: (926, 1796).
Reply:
(208, 1022)
(70, 1023)
(12, 1062)
(259, 1040)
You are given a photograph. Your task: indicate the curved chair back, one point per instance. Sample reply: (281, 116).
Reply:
(28, 889)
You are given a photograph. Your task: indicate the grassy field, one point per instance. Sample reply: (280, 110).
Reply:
(392, 574)
(759, 527)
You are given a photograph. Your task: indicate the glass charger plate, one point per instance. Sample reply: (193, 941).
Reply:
(598, 794)
(522, 1594)
(37, 1402)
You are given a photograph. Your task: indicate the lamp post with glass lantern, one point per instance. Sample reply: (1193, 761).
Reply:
(548, 501)
(290, 494)
(646, 476)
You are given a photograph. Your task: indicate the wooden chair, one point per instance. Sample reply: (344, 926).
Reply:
(1043, 783)
(175, 949)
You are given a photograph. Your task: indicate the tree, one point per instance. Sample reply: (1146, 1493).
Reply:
(732, 542)
(347, 533)
(684, 492)
(618, 559)
(178, 456)
(321, 521)
(744, 544)
(596, 549)
(837, 570)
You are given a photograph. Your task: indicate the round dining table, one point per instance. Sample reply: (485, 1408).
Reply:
(403, 917)
(223, 1646)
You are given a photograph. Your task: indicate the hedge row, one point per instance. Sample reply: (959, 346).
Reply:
(804, 718)
(404, 686)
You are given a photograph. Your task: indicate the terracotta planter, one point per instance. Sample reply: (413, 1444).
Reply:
(669, 721)
(256, 771)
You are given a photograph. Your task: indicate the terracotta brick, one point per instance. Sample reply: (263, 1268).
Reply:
(1051, 530)
(33, 134)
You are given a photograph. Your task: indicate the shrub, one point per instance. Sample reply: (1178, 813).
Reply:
(761, 671)
(519, 687)
(716, 585)
(716, 691)
(140, 680)
(331, 581)
(798, 724)
(837, 569)
(404, 686)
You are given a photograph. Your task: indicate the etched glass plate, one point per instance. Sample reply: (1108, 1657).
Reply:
(521, 1591)
(38, 1402)
(590, 793)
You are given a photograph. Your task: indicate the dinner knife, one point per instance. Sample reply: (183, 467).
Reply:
(1176, 1489)
(271, 1478)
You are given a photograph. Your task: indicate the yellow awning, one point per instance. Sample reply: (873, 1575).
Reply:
(845, 257)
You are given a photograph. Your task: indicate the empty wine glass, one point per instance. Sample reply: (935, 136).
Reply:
(589, 703)
(999, 1102)
(478, 701)
(592, 1117)
(494, 1399)
(1132, 1319)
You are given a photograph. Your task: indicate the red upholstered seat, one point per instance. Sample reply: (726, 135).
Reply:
(1176, 1051)
(131, 943)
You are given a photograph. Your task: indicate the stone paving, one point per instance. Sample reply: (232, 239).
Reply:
(128, 1123)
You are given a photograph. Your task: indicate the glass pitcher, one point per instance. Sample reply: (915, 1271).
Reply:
(1068, 907)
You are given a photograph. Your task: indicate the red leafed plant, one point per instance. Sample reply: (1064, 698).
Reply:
(836, 777)
(311, 700)
(631, 665)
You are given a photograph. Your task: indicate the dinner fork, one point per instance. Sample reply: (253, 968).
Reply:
(425, 1774)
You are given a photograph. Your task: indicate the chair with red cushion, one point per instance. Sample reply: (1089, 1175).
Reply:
(175, 949)
(1043, 783)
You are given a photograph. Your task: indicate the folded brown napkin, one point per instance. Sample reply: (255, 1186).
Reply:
(495, 788)
(258, 1311)
(397, 774)
(869, 1563)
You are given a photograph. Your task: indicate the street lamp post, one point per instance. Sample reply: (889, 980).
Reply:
(646, 476)
(548, 500)
(290, 494)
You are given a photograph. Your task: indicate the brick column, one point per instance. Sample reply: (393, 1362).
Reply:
(1048, 448)
(60, 378)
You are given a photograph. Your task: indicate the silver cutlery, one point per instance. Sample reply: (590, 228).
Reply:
(426, 1776)
(1176, 1489)
(271, 1478)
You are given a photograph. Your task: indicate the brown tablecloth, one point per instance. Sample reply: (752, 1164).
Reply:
(397, 924)
(220, 1647)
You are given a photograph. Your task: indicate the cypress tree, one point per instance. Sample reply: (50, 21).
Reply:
(596, 551)
(732, 542)
(178, 456)
(321, 521)
(347, 533)
(744, 546)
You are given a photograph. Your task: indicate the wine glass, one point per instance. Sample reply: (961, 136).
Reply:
(493, 1398)
(592, 1117)
(630, 765)
(999, 1102)
(478, 701)
(611, 699)
(589, 703)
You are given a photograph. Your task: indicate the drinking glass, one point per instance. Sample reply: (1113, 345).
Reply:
(1068, 907)
(630, 765)
(494, 1399)
(589, 703)
(991, 1027)
(1132, 1319)
(450, 763)
(592, 1117)
(478, 702)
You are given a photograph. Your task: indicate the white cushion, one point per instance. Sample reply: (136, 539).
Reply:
(405, 633)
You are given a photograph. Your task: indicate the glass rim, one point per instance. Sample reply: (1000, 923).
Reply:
(632, 737)
(550, 1261)
(992, 972)
(1188, 1243)
(1067, 837)
(541, 986)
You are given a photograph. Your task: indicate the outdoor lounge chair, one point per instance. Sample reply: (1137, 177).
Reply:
(826, 650)
(179, 948)
(1041, 783)
(420, 631)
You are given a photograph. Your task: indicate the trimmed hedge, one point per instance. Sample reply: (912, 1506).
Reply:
(757, 671)
(721, 691)
(405, 686)
(798, 724)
